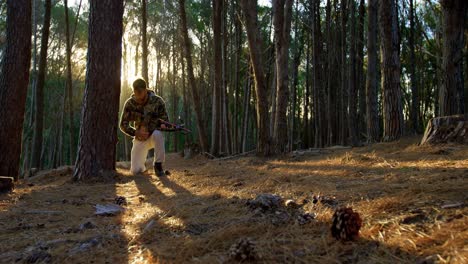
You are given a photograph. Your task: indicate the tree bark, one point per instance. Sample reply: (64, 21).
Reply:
(352, 108)
(98, 133)
(69, 84)
(372, 115)
(175, 99)
(194, 91)
(329, 76)
(317, 93)
(282, 24)
(306, 131)
(414, 116)
(360, 81)
(144, 42)
(298, 47)
(249, 9)
(14, 78)
(392, 105)
(451, 101)
(245, 118)
(344, 67)
(218, 78)
(237, 84)
(39, 89)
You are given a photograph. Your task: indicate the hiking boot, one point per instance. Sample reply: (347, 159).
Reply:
(158, 170)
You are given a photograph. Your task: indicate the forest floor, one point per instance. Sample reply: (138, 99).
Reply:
(412, 200)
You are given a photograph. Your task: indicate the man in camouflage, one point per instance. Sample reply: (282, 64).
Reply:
(145, 109)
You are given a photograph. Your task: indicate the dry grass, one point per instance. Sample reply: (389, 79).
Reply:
(198, 212)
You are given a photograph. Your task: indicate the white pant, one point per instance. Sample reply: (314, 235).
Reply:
(140, 151)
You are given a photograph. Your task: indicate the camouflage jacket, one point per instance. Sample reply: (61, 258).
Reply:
(143, 115)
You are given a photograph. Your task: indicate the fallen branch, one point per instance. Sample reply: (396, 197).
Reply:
(61, 171)
(43, 212)
(208, 154)
(235, 156)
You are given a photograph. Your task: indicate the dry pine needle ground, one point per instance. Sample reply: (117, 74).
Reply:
(412, 201)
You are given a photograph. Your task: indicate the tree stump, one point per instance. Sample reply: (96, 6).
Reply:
(6, 184)
(446, 129)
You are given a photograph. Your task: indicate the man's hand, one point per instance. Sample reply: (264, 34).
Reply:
(142, 134)
(163, 126)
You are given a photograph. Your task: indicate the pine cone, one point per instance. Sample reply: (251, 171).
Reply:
(346, 224)
(243, 250)
(120, 200)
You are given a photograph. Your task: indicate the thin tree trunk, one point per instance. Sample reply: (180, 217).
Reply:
(194, 91)
(329, 70)
(144, 42)
(306, 133)
(319, 98)
(27, 141)
(218, 82)
(69, 87)
(174, 92)
(187, 122)
(298, 47)
(14, 78)
(39, 90)
(246, 112)
(237, 85)
(98, 133)
(361, 86)
(344, 67)
(352, 109)
(412, 69)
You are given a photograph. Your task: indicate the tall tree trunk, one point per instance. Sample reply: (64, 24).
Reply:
(306, 134)
(282, 23)
(237, 84)
(194, 91)
(329, 75)
(14, 78)
(412, 68)
(39, 90)
(226, 127)
(454, 15)
(344, 67)
(372, 114)
(352, 108)
(144, 42)
(298, 47)
(245, 118)
(123, 97)
(98, 132)
(175, 100)
(27, 141)
(360, 81)
(218, 78)
(319, 96)
(392, 105)
(249, 9)
(186, 104)
(69, 84)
